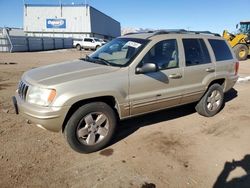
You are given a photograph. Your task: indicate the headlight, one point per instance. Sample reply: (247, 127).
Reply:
(40, 96)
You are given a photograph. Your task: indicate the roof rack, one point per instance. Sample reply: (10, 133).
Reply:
(183, 31)
(168, 31)
(173, 31)
(140, 32)
(205, 32)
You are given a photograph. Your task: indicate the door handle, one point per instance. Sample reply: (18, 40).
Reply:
(210, 70)
(175, 76)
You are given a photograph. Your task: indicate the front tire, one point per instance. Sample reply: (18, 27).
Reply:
(91, 127)
(211, 103)
(241, 52)
(97, 47)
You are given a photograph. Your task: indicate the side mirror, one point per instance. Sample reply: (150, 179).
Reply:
(147, 68)
(237, 25)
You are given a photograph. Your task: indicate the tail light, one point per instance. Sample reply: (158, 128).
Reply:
(236, 68)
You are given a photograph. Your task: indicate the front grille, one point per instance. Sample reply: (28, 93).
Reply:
(22, 90)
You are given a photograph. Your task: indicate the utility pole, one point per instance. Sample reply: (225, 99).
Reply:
(60, 2)
(86, 7)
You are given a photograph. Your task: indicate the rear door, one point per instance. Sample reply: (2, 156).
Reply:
(223, 56)
(198, 70)
(88, 43)
(225, 62)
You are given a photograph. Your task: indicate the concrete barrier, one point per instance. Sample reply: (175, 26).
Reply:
(18, 44)
(58, 43)
(35, 44)
(24, 43)
(68, 43)
(48, 44)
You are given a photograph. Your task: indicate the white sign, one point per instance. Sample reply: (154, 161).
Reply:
(133, 44)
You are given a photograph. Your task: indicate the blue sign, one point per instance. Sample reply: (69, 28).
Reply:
(56, 23)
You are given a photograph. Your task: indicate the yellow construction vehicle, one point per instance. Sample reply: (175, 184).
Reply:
(240, 42)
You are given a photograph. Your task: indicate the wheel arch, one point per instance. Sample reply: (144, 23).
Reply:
(220, 81)
(78, 44)
(97, 46)
(110, 100)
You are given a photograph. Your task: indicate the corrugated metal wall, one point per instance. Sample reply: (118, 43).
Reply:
(103, 25)
(80, 20)
(76, 17)
(4, 44)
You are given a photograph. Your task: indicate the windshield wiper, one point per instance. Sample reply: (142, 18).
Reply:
(87, 58)
(104, 61)
(96, 60)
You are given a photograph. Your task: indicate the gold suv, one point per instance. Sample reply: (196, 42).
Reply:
(132, 75)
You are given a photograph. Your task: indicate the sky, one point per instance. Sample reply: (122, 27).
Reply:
(200, 15)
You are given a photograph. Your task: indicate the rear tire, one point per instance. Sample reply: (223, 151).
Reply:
(211, 103)
(241, 52)
(91, 127)
(78, 47)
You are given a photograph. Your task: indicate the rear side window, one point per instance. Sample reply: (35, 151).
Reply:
(196, 52)
(221, 50)
(88, 40)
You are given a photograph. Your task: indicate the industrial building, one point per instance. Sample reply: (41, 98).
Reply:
(75, 20)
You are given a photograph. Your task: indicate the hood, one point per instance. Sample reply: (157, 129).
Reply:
(65, 72)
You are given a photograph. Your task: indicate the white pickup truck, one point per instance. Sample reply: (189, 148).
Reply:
(88, 43)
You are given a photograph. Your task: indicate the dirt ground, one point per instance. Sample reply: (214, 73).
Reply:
(171, 148)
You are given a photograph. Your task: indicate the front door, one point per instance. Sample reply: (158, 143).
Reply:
(161, 89)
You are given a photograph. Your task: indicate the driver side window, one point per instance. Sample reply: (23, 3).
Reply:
(164, 54)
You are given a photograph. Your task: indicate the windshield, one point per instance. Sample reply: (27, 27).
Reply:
(119, 52)
(245, 28)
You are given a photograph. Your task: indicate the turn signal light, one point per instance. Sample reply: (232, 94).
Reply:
(52, 95)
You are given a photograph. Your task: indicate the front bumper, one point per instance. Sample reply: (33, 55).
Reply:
(49, 118)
